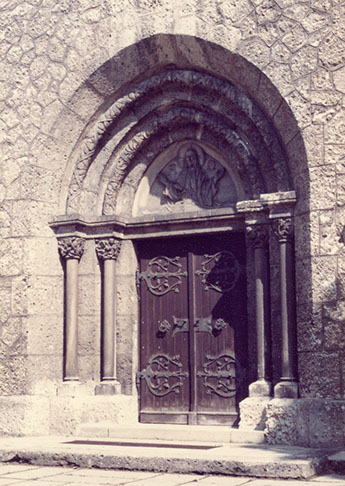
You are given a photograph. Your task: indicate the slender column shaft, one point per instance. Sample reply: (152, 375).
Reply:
(287, 387)
(262, 309)
(258, 238)
(288, 316)
(71, 327)
(108, 342)
(71, 249)
(108, 250)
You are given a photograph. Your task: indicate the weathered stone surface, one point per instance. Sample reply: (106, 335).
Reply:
(63, 65)
(319, 375)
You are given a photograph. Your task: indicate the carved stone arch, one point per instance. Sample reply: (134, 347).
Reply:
(212, 104)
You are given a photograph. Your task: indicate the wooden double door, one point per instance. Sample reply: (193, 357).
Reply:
(193, 329)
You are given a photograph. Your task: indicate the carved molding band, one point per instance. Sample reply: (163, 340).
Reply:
(284, 229)
(184, 80)
(108, 248)
(257, 235)
(220, 272)
(221, 375)
(163, 375)
(71, 247)
(162, 275)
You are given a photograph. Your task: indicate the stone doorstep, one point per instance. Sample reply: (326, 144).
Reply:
(337, 462)
(256, 460)
(189, 433)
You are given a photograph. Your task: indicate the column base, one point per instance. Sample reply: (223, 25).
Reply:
(108, 388)
(260, 388)
(286, 389)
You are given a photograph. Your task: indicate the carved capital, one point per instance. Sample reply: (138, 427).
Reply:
(284, 229)
(71, 247)
(108, 248)
(257, 235)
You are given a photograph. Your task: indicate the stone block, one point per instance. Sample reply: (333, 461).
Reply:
(307, 235)
(14, 337)
(253, 413)
(68, 413)
(324, 278)
(323, 187)
(40, 184)
(126, 296)
(319, 374)
(127, 261)
(44, 295)
(89, 368)
(30, 218)
(45, 335)
(11, 257)
(283, 424)
(44, 373)
(330, 233)
(5, 302)
(41, 256)
(309, 327)
(24, 415)
(89, 295)
(89, 335)
(13, 375)
(326, 421)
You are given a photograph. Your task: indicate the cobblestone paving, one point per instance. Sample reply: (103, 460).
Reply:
(59, 476)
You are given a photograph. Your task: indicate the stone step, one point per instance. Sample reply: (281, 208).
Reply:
(337, 462)
(251, 460)
(186, 433)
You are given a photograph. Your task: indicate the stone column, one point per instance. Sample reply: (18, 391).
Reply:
(71, 249)
(287, 387)
(258, 239)
(107, 251)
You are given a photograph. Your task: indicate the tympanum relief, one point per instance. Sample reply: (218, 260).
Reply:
(191, 179)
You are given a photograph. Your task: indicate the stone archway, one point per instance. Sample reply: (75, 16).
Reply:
(162, 110)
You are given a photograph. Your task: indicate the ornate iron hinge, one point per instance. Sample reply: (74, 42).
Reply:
(163, 375)
(221, 375)
(162, 275)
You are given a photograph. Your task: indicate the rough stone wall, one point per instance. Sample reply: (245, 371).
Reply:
(53, 85)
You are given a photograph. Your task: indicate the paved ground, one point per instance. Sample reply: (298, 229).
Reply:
(21, 475)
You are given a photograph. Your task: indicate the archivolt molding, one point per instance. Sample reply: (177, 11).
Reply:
(219, 115)
(245, 163)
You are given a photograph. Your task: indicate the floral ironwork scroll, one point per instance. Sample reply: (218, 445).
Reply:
(221, 375)
(163, 274)
(163, 375)
(220, 271)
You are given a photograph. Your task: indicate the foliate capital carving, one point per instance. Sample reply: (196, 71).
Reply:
(108, 248)
(284, 229)
(71, 247)
(257, 235)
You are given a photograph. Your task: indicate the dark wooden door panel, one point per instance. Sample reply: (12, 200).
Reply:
(193, 329)
(220, 326)
(164, 356)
